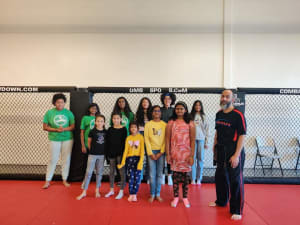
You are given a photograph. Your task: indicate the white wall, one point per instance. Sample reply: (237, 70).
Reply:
(157, 43)
(266, 43)
(111, 59)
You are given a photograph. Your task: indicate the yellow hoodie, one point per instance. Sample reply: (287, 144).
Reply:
(134, 146)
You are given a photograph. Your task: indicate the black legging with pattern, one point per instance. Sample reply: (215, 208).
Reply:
(180, 177)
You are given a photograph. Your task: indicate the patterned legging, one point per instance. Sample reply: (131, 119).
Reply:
(180, 177)
(133, 174)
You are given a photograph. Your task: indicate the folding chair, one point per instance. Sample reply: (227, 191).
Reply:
(298, 157)
(265, 150)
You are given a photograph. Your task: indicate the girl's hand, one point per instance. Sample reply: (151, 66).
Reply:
(168, 159)
(60, 129)
(83, 149)
(206, 146)
(158, 155)
(153, 157)
(191, 160)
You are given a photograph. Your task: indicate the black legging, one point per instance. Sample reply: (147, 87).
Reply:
(180, 177)
(169, 169)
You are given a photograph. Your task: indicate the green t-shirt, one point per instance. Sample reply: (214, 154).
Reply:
(87, 124)
(126, 121)
(55, 118)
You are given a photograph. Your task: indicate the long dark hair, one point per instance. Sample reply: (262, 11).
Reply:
(186, 116)
(92, 105)
(127, 109)
(140, 112)
(193, 112)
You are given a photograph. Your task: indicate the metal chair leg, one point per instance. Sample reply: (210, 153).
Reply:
(272, 164)
(262, 166)
(280, 167)
(255, 162)
(297, 162)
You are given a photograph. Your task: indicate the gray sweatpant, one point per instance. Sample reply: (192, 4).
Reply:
(112, 169)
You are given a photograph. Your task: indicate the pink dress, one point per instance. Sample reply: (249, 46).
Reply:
(180, 146)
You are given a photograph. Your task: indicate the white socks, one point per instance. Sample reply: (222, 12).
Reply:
(236, 217)
(212, 204)
(170, 181)
(120, 195)
(110, 193)
(163, 180)
(233, 217)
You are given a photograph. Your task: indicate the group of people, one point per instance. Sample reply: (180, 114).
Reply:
(155, 135)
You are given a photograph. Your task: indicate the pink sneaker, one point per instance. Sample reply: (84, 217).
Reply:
(186, 203)
(175, 202)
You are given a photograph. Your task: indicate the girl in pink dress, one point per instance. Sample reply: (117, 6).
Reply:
(180, 147)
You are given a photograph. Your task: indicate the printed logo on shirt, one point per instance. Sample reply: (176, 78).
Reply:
(92, 124)
(157, 132)
(223, 123)
(134, 144)
(100, 139)
(124, 121)
(197, 122)
(60, 120)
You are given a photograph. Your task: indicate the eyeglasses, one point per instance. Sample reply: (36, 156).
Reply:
(156, 111)
(179, 109)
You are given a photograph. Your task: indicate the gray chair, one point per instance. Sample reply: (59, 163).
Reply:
(265, 150)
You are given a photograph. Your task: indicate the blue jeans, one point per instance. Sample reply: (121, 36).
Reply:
(94, 161)
(197, 168)
(156, 173)
(145, 164)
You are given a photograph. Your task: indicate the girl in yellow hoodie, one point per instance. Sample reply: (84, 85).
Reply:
(133, 156)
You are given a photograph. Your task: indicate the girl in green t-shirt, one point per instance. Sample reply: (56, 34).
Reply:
(87, 124)
(59, 122)
(143, 116)
(122, 106)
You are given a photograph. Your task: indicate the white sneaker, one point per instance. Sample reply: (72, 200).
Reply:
(163, 180)
(212, 204)
(236, 217)
(120, 195)
(170, 181)
(193, 182)
(109, 194)
(198, 182)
